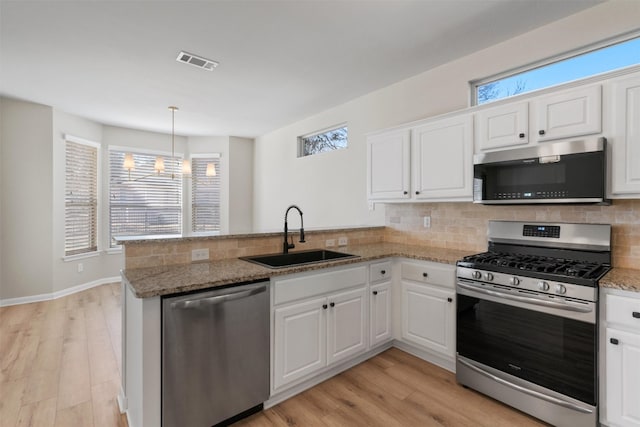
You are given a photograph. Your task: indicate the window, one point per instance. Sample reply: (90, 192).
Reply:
(331, 139)
(540, 76)
(80, 196)
(144, 203)
(205, 195)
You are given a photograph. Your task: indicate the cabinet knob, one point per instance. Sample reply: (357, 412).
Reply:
(383, 271)
(375, 292)
(333, 304)
(405, 192)
(324, 306)
(425, 275)
(521, 135)
(449, 299)
(541, 132)
(417, 192)
(614, 341)
(636, 314)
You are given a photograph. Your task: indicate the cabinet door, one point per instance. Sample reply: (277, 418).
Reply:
(569, 113)
(625, 141)
(623, 378)
(380, 313)
(504, 126)
(299, 340)
(346, 325)
(428, 316)
(442, 159)
(388, 165)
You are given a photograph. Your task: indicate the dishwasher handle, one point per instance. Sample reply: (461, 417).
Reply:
(218, 299)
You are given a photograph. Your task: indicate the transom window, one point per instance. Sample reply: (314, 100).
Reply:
(334, 138)
(560, 70)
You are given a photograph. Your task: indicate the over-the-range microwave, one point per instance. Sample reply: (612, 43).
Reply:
(561, 172)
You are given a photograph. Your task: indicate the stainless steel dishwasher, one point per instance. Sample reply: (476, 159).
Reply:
(215, 355)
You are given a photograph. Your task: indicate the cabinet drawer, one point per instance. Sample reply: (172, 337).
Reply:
(430, 272)
(623, 311)
(315, 283)
(380, 271)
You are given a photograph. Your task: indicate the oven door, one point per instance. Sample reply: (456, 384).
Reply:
(530, 338)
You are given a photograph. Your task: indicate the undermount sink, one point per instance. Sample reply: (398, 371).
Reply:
(297, 258)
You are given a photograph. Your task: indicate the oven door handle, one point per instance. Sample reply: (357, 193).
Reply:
(552, 304)
(530, 392)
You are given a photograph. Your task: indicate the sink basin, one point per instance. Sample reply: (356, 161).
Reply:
(297, 258)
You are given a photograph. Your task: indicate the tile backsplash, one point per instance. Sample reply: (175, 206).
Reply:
(464, 225)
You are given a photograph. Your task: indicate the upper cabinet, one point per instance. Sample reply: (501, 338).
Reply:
(503, 126)
(441, 159)
(431, 160)
(624, 140)
(388, 165)
(569, 113)
(564, 114)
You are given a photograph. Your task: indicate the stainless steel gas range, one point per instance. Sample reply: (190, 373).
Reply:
(527, 310)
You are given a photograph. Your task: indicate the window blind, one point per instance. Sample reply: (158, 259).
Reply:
(205, 196)
(146, 203)
(81, 198)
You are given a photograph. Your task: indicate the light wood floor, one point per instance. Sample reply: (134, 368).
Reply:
(60, 366)
(60, 361)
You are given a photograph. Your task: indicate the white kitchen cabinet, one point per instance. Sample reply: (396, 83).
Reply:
(428, 306)
(300, 340)
(441, 159)
(380, 297)
(625, 137)
(502, 127)
(568, 113)
(346, 325)
(388, 165)
(319, 319)
(622, 396)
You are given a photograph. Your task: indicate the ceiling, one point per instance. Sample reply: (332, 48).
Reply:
(280, 61)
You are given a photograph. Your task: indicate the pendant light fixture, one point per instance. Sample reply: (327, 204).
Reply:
(158, 167)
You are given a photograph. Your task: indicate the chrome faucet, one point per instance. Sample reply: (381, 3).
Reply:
(286, 245)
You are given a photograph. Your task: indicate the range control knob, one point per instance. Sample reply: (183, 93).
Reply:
(543, 286)
(488, 276)
(476, 275)
(514, 281)
(561, 289)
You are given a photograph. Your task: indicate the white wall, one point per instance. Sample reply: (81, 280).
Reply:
(331, 187)
(240, 185)
(27, 262)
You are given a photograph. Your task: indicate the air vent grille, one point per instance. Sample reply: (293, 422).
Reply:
(197, 61)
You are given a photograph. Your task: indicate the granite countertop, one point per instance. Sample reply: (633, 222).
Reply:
(625, 279)
(166, 280)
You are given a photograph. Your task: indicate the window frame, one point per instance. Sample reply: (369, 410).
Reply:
(113, 246)
(301, 138)
(189, 214)
(98, 198)
(603, 44)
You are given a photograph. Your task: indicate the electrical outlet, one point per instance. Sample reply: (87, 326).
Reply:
(330, 243)
(426, 221)
(343, 241)
(200, 254)
(80, 267)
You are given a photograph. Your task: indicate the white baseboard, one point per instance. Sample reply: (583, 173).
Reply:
(59, 294)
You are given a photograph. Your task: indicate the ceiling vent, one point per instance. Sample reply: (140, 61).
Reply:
(197, 61)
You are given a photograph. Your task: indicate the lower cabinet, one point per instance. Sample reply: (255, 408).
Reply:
(622, 369)
(380, 324)
(317, 332)
(428, 306)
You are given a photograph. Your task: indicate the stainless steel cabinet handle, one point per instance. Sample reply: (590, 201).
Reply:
(218, 299)
(534, 393)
